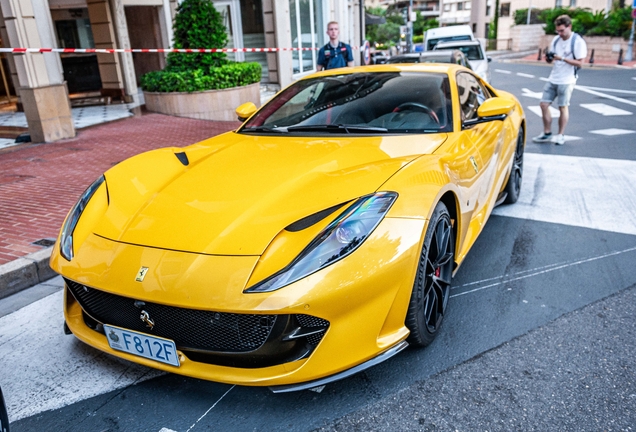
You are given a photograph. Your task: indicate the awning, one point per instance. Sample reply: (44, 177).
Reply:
(373, 19)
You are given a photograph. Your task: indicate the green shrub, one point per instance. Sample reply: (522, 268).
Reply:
(585, 22)
(199, 25)
(226, 76)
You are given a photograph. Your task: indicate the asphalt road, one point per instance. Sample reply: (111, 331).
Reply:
(540, 333)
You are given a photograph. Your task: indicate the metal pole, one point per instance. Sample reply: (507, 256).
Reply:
(409, 29)
(529, 12)
(630, 46)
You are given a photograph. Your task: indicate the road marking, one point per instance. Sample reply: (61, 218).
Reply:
(577, 191)
(612, 132)
(537, 110)
(610, 90)
(525, 75)
(544, 271)
(606, 110)
(502, 71)
(596, 93)
(210, 409)
(529, 93)
(60, 369)
(544, 79)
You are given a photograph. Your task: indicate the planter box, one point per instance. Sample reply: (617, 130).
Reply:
(206, 105)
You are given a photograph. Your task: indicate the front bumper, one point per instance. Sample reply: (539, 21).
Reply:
(359, 305)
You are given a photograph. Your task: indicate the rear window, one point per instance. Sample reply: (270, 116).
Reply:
(472, 52)
(430, 44)
(381, 102)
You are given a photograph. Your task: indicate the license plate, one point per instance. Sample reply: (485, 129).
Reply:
(142, 345)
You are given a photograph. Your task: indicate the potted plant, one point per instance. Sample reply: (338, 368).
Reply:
(201, 85)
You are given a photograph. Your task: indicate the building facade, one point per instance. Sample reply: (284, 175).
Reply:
(43, 81)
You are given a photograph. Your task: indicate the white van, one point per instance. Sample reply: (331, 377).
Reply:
(447, 34)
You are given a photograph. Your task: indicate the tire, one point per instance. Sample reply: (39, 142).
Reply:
(431, 288)
(513, 187)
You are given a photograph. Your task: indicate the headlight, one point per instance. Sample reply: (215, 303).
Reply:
(339, 239)
(66, 239)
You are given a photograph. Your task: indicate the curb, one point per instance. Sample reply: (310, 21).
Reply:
(25, 272)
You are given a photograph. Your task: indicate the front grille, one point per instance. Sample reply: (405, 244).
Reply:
(188, 328)
(227, 339)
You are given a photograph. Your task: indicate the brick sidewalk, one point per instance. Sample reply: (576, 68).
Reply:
(39, 183)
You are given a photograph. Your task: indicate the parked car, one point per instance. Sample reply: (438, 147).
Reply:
(316, 240)
(445, 56)
(379, 57)
(447, 34)
(474, 52)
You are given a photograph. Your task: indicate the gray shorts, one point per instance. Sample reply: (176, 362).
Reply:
(560, 92)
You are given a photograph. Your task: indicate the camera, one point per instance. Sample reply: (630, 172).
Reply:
(549, 56)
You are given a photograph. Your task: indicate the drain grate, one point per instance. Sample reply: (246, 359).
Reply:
(45, 242)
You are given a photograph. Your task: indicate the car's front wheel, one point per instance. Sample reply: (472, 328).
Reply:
(431, 289)
(513, 187)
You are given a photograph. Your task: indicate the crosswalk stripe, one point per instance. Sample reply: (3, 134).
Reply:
(537, 110)
(529, 93)
(577, 191)
(525, 75)
(596, 93)
(612, 132)
(604, 109)
(503, 71)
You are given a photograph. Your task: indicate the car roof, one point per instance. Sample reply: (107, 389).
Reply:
(452, 44)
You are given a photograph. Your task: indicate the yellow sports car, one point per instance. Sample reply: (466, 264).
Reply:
(317, 240)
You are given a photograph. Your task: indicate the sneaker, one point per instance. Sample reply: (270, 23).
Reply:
(559, 139)
(544, 137)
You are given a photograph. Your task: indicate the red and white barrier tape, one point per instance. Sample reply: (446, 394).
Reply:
(149, 50)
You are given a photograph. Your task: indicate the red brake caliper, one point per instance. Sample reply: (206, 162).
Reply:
(437, 272)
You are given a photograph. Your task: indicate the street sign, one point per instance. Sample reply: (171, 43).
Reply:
(634, 11)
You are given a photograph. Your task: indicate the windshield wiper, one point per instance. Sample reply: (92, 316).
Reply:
(337, 128)
(275, 129)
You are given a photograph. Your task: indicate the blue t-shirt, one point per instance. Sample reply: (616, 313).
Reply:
(332, 58)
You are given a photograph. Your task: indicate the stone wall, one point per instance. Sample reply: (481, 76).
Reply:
(526, 37)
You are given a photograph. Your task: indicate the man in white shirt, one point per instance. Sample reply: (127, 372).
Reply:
(569, 52)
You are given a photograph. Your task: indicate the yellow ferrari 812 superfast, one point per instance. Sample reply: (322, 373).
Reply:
(318, 239)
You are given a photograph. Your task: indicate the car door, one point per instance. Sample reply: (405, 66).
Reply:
(487, 137)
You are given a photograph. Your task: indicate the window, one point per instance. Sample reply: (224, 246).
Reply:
(471, 95)
(447, 7)
(505, 10)
(460, 6)
(487, 10)
(307, 31)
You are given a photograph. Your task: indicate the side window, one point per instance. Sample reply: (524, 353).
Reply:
(472, 94)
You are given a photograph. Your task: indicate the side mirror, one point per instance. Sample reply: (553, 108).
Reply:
(492, 109)
(489, 59)
(496, 106)
(245, 111)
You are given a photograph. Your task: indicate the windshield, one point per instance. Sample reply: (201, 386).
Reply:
(381, 102)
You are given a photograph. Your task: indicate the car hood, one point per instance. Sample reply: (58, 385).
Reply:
(232, 194)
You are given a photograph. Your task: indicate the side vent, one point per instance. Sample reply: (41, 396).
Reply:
(183, 158)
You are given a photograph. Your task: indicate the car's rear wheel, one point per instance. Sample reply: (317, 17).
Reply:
(431, 289)
(513, 187)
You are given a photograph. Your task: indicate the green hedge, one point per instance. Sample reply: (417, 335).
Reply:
(214, 78)
(585, 22)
